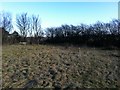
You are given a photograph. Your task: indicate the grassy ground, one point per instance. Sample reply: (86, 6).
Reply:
(59, 66)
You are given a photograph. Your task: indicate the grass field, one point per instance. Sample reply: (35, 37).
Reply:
(50, 66)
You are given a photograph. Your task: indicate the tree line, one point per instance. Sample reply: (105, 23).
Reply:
(30, 31)
(29, 28)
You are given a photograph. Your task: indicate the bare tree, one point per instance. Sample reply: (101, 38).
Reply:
(66, 29)
(5, 25)
(36, 26)
(6, 21)
(23, 23)
(50, 32)
(116, 26)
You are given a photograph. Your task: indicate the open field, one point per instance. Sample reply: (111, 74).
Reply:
(48, 66)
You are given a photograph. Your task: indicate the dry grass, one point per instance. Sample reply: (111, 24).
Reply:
(57, 66)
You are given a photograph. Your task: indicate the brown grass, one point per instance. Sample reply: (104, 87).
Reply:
(59, 66)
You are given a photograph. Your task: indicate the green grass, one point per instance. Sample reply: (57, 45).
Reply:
(59, 66)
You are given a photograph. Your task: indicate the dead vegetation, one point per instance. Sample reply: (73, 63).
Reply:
(43, 66)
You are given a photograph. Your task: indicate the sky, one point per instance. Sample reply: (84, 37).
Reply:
(54, 14)
(59, 0)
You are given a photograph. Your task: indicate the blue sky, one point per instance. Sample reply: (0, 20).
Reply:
(58, 13)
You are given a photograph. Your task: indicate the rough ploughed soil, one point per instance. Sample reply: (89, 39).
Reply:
(47, 66)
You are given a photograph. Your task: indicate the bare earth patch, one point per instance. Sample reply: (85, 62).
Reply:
(43, 66)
